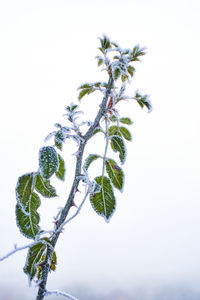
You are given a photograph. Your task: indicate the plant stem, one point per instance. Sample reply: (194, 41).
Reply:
(104, 161)
(65, 211)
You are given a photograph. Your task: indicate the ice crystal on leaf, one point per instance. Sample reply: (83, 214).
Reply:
(48, 161)
(28, 224)
(103, 201)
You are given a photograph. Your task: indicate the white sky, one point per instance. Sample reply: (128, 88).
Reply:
(47, 50)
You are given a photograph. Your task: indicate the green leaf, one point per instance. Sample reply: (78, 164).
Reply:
(116, 73)
(115, 44)
(105, 42)
(113, 118)
(34, 256)
(53, 262)
(115, 173)
(137, 51)
(44, 188)
(126, 121)
(103, 201)
(59, 139)
(24, 188)
(131, 70)
(124, 78)
(100, 62)
(89, 160)
(28, 223)
(114, 130)
(72, 107)
(120, 131)
(48, 161)
(143, 100)
(85, 91)
(41, 264)
(125, 133)
(85, 86)
(96, 130)
(61, 169)
(118, 145)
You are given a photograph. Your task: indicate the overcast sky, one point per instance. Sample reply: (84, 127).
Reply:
(47, 50)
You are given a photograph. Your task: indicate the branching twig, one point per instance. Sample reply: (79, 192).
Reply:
(16, 249)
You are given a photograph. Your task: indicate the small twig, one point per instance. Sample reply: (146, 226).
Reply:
(104, 161)
(16, 249)
(37, 241)
(76, 213)
(58, 293)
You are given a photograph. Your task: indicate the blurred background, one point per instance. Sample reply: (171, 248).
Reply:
(150, 249)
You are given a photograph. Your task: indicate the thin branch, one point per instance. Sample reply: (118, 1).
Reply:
(104, 161)
(58, 293)
(37, 241)
(16, 249)
(76, 213)
(106, 147)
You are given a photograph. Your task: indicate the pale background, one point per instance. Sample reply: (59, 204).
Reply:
(152, 243)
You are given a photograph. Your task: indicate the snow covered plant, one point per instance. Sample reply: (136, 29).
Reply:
(41, 259)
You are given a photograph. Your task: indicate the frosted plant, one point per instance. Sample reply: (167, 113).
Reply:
(41, 258)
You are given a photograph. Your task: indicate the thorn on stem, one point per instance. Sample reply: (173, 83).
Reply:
(77, 153)
(73, 204)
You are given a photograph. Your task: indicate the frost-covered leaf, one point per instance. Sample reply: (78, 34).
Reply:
(125, 133)
(113, 130)
(113, 118)
(28, 223)
(115, 44)
(44, 188)
(72, 107)
(115, 173)
(34, 256)
(124, 78)
(118, 145)
(48, 161)
(105, 43)
(59, 139)
(85, 90)
(61, 169)
(116, 73)
(41, 264)
(24, 188)
(137, 51)
(58, 125)
(53, 262)
(85, 86)
(98, 84)
(96, 131)
(143, 100)
(131, 70)
(100, 62)
(126, 121)
(104, 201)
(121, 131)
(89, 160)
